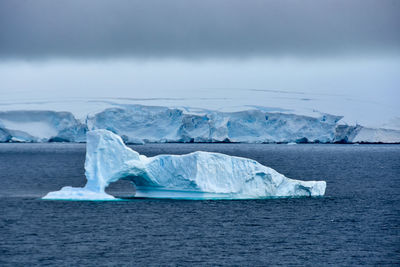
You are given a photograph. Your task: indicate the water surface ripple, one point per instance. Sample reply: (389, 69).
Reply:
(356, 223)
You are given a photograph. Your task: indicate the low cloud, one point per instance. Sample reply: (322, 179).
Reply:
(35, 29)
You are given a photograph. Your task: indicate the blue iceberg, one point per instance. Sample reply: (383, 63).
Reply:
(198, 175)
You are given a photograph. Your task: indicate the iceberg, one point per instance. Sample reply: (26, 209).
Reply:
(198, 175)
(40, 126)
(4, 135)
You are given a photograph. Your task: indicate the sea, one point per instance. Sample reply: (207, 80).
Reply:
(356, 223)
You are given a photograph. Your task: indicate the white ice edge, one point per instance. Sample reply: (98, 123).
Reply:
(198, 175)
(138, 124)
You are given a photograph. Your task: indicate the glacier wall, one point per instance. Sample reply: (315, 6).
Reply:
(142, 124)
(198, 175)
(148, 124)
(40, 126)
(370, 135)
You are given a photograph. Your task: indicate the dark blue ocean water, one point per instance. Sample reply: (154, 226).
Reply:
(356, 223)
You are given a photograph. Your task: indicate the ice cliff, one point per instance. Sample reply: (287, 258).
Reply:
(144, 124)
(141, 124)
(198, 175)
(40, 126)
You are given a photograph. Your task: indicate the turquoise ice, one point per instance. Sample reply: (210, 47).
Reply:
(198, 175)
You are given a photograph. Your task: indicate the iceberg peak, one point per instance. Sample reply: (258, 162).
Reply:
(198, 175)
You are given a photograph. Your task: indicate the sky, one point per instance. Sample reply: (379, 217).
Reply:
(340, 57)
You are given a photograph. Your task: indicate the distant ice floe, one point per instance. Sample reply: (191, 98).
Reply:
(140, 124)
(198, 175)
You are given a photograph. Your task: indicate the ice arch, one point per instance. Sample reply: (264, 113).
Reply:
(198, 175)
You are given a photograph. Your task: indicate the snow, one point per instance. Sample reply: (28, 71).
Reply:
(357, 89)
(73, 193)
(369, 135)
(198, 175)
(40, 129)
(138, 124)
(41, 126)
(142, 124)
(4, 136)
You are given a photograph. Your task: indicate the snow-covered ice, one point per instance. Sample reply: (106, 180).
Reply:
(142, 124)
(198, 175)
(40, 126)
(153, 124)
(370, 135)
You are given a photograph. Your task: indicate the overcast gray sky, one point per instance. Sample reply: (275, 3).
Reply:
(207, 28)
(335, 56)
